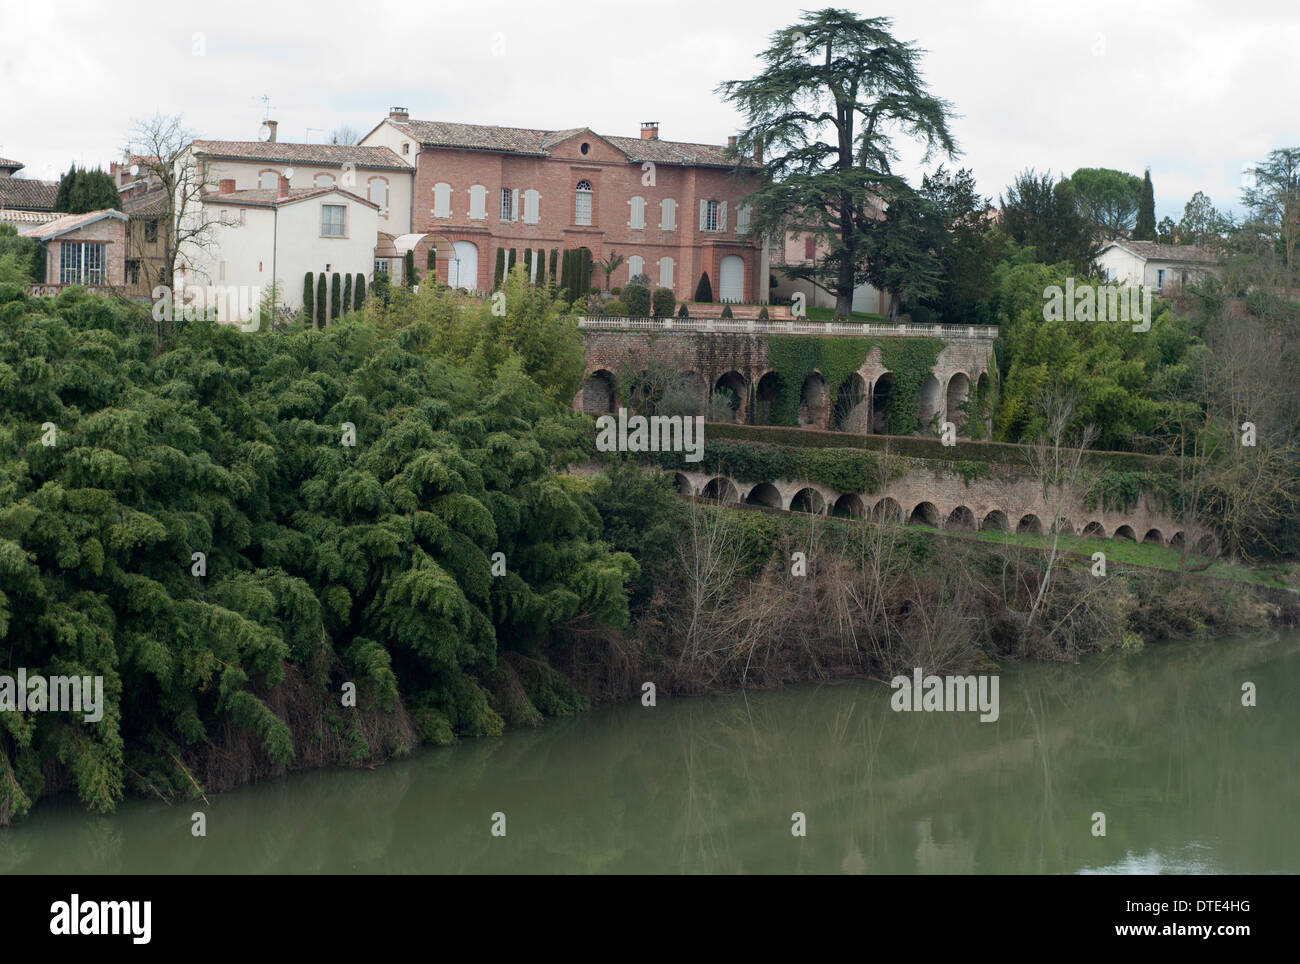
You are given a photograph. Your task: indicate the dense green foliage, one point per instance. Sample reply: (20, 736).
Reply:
(664, 302)
(794, 358)
(1144, 229)
(81, 191)
(637, 298)
(308, 296)
(844, 470)
(22, 260)
(368, 562)
(322, 300)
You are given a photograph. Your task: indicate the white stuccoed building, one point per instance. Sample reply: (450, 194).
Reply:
(1153, 265)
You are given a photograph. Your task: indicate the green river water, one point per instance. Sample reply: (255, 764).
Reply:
(1189, 780)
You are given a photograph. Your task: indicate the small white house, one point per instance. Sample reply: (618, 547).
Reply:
(263, 236)
(1153, 265)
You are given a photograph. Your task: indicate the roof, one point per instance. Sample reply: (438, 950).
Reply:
(70, 222)
(28, 194)
(14, 216)
(151, 204)
(12, 165)
(533, 142)
(269, 197)
(1154, 251)
(321, 155)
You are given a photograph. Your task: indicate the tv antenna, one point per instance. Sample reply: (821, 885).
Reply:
(266, 107)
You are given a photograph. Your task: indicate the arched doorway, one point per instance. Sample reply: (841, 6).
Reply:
(462, 269)
(765, 395)
(808, 500)
(814, 401)
(958, 392)
(880, 403)
(850, 414)
(731, 279)
(598, 396)
(927, 405)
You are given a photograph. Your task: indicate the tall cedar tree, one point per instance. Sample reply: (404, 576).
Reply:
(835, 90)
(1145, 229)
(1040, 213)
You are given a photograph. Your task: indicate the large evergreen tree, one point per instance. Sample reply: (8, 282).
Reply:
(1040, 213)
(835, 90)
(81, 191)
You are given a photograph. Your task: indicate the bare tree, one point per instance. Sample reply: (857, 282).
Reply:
(1057, 467)
(344, 134)
(160, 145)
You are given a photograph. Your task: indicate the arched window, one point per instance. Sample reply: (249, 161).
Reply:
(668, 214)
(637, 220)
(268, 180)
(442, 200)
(323, 180)
(582, 203)
(377, 193)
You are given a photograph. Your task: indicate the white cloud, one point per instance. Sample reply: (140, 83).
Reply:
(1193, 90)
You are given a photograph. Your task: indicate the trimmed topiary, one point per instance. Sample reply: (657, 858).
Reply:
(682, 312)
(308, 296)
(763, 315)
(322, 300)
(664, 302)
(359, 292)
(638, 300)
(336, 294)
(726, 311)
(616, 307)
(409, 262)
(347, 293)
(704, 290)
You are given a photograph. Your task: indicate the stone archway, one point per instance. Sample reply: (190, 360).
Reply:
(955, 397)
(765, 493)
(927, 405)
(599, 396)
(814, 402)
(733, 387)
(808, 500)
(850, 414)
(995, 521)
(880, 393)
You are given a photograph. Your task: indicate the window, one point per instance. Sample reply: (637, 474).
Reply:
(81, 262)
(668, 215)
(133, 272)
(478, 202)
(635, 266)
(713, 215)
(1160, 278)
(381, 266)
(532, 206)
(406, 147)
(638, 213)
(507, 204)
(809, 247)
(585, 147)
(377, 193)
(323, 180)
(666, 272)
(268, 180)
(442, 200)
(582, 203)
(151, 232)
(225, 216)
(333, 220)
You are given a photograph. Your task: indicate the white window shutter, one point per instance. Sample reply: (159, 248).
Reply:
(514, 204)
(722, 216)
(631, 208)
(704, 214)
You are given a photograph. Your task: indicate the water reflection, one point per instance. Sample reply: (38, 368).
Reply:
(1189, 780)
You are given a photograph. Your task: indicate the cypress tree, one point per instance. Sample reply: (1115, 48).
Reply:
(704, 290)
(541, 266)
(62, 196)
(359, 292)
(528, 263)
(409, 265)
(501, 268)
(554, 263)
(1145, 229)
(347, 293)
(322, 300)
(336, 300)
(308, 296)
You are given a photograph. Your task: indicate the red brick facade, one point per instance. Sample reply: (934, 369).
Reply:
(109, 231)
(615, 180)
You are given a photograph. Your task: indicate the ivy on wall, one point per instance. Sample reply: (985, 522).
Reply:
(795, 357)
(843, 470)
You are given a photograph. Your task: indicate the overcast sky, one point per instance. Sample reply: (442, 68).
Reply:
(1193, 90)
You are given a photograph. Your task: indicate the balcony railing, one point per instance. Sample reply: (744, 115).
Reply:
(773, 327)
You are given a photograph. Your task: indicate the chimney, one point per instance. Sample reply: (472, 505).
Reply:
(731, 142)
(227, 186)
(270, 138)
(649, 130)
(400, 114)
(284, 186)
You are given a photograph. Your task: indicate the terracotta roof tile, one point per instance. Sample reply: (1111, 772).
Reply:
(323, 155)
(1154, 251)
(270, 197)
(537, 143)
(27, 193)
(69, 222)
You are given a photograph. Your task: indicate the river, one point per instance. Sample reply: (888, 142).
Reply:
(1189, 780)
